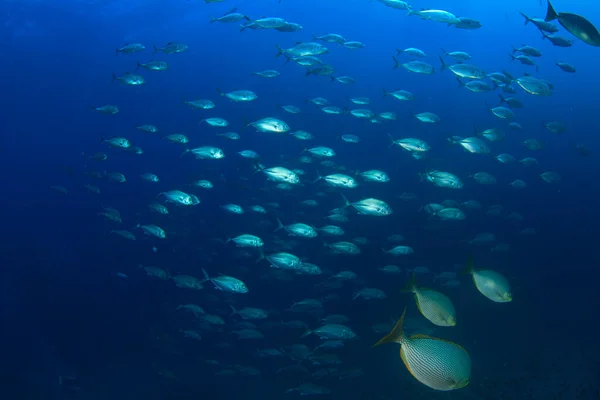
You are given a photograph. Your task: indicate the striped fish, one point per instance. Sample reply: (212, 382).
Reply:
(491, 284)
(437, 363)
(434, 306)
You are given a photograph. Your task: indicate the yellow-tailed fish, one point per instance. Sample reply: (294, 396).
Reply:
(491, 284)
(437, 363)
(434, 306)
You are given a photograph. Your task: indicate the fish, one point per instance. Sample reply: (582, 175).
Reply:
(434, 306)
(226, 283)
(437, 363)
(491, 284)
(577, 25)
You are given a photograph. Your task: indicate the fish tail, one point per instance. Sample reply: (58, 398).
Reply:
(460, 83)
(397, 64)
(527, 19)
(206, 277)
(502, 99)
(212, 19)
(233, 310)
(508, 75)
(184, 152)
(319, 177)
(308, 332)
(155, 50)
(279, 50)
(443, 64)
(332, 79)
(220, 92)
(398, 51)
(346, 201)
(411, 285)
(261, 256)
(396, 335)
(279, 225)
(138, 66)
(114, 77)
(385, 93)
(470, 267)
(551, 14)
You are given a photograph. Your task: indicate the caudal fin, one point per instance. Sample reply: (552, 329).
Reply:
(411, 285)
(551, 14)
(206, 277)
(444, 65)
(527, 19)
(279, 225)
(470, 267)
(397, 333)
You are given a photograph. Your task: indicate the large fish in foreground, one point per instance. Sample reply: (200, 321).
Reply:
(437, 363)
(577, 25)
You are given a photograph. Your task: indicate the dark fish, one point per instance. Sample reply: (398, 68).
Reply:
(577, 25)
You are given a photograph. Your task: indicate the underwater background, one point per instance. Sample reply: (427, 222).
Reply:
(76, 304)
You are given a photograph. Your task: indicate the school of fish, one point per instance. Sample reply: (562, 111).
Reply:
(296, 213)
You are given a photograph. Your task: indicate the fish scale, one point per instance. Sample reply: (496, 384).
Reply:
(436, 363)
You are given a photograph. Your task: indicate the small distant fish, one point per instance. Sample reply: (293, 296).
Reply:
(171, 48)
(131, 48)
(129, 79)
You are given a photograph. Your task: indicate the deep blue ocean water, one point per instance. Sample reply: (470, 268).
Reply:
(65, 313)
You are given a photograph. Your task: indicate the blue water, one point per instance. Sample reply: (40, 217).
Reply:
(64, 312)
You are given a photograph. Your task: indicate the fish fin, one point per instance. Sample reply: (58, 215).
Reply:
(423, 336)
(279, 225)
(305, 334)
(346, 201)
(411, 285)
(470, 267)
(261, 256)
(279, 51)
(319, 177)
(206, 277)
(397, 333)
(551, 14)
(444, 65)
